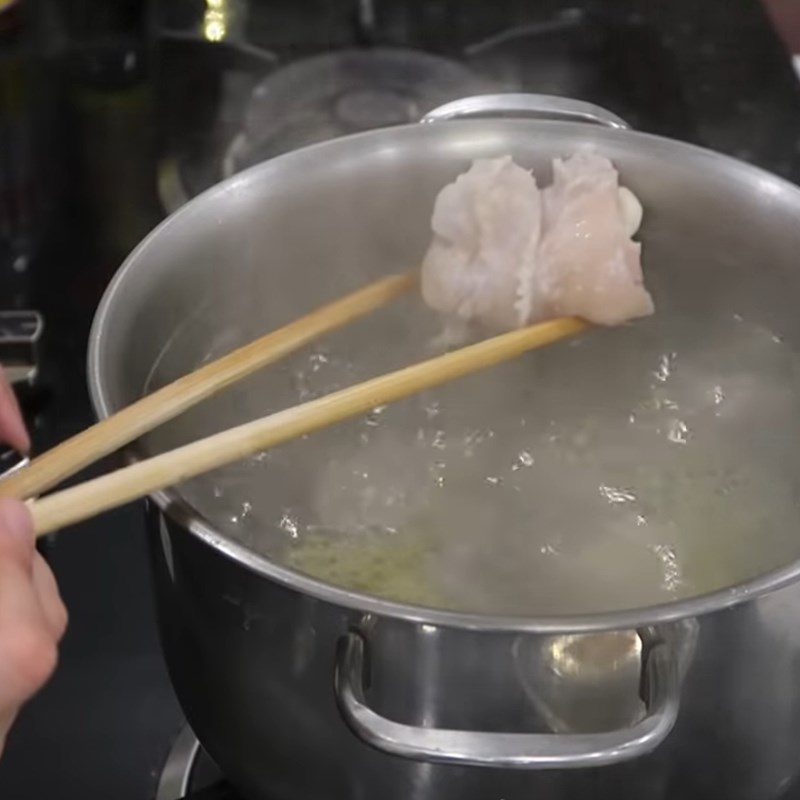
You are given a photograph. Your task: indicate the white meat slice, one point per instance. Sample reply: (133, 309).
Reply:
(587, 264)
(481, 262)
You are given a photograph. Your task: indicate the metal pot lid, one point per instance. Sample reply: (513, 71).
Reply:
(335, 94)
(319, 98)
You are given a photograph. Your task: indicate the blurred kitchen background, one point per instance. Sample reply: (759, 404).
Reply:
(113, 113)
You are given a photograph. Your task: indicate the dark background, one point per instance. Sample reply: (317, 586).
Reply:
(94, 98)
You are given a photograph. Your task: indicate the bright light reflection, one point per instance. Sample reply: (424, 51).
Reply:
(429, 629)
(215, 20)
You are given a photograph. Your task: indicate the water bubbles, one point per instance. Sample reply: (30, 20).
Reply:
(524, 459)
(678, 431)
(289, 523)
(373, 419)
(474, 439)
(432, 410)
(301, 386)
(244, 511)
(718, 398)
(570, 466)
(317, 361)
(671, 567)
(615, 495)
(665, 403)
(666, 365)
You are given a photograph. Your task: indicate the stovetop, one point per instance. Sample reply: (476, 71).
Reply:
(134, 114)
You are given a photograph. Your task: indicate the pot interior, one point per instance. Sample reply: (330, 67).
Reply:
(631, 467)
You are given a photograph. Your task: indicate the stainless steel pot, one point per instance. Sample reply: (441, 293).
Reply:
(303, 690)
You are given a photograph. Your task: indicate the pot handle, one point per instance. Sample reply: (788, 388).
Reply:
(539, 106)
(660, 686)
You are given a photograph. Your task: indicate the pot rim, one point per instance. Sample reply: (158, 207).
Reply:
(180, 512)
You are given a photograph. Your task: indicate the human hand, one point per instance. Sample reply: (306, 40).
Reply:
(12, 427)
(32, 616)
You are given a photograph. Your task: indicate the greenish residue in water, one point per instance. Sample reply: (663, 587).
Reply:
(392, 566)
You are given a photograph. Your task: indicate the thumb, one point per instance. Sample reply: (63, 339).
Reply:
(16, 531)
(12, 426)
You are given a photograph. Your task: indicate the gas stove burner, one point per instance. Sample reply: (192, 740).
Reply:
(344, 92)
(189, 773)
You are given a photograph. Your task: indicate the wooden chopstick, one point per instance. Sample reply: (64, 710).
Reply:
(166, 403)
(156, 473)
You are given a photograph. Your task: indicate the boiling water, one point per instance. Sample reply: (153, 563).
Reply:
(629, 467)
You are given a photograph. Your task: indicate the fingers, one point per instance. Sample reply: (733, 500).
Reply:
(16, 533)
(49, 597)
(28, 633)
(7, 717)
(12, 426)
(32, 616)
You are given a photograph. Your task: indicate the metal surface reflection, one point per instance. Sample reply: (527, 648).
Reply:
(582, 682)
